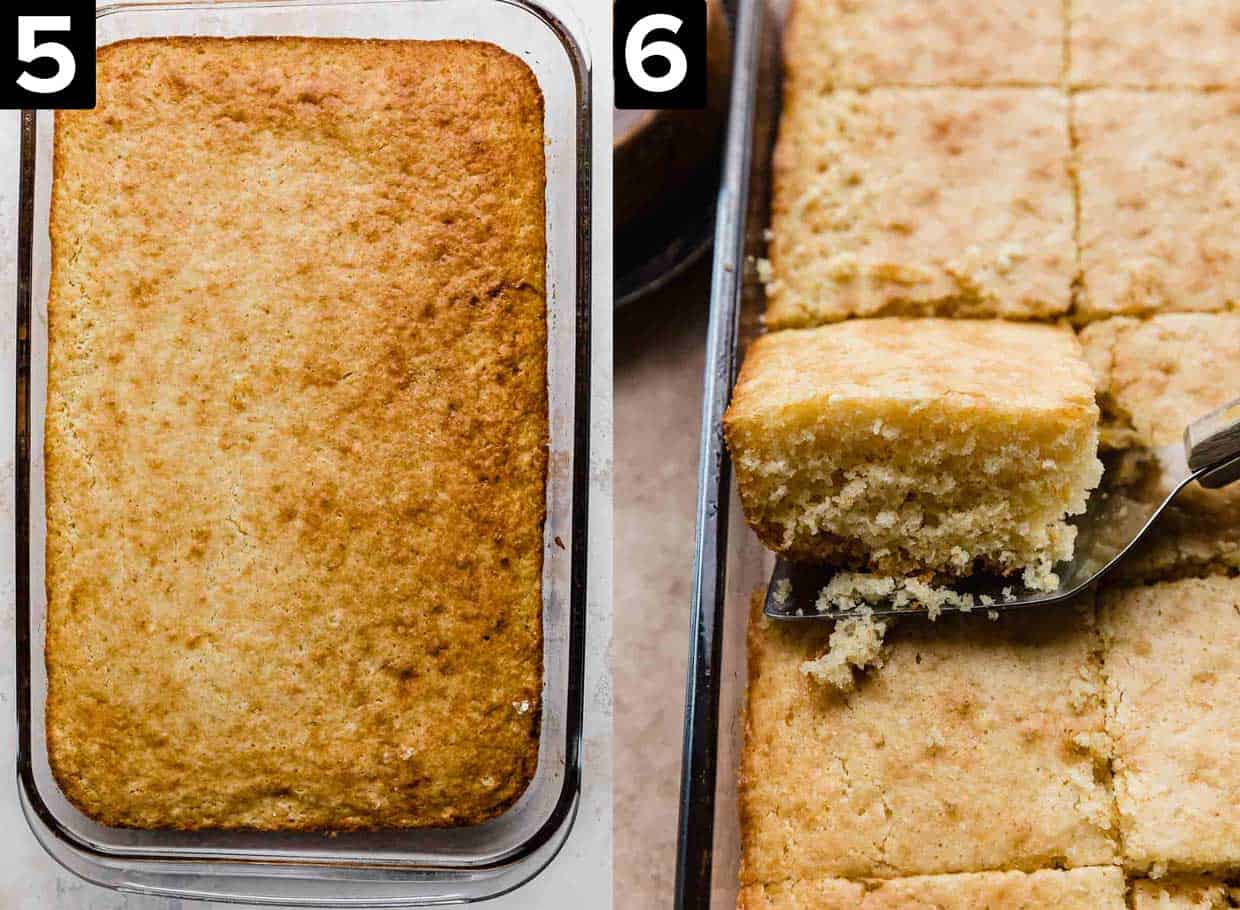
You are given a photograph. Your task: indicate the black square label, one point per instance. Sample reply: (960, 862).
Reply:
(50, 51)
(660, 54)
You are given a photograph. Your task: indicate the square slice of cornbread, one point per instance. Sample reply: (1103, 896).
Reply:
(843, 43)
(1155, 44)
(1157, 375)
(978, 745)
(1154, 377)
(1172, 668)
(900, 445)
(1092, 888)
(921, 202)
(1180, 893)
(1159, 191)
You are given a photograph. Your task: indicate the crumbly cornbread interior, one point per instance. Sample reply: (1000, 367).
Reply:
(901, 445)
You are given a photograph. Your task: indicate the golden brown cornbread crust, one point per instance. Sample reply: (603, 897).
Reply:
(1090, 888)
(909, 202)
(296, 435)
(976, 746)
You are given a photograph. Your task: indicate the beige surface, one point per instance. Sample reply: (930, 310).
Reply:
(1156, 375)
(945, 42)
(1155, 43)
(1159, 192)
(1098, 888)
(972, 748)
(658, 417)
(1187, 893)
(898, 445)
(955, 202)
(296, 435)
(1173, 712)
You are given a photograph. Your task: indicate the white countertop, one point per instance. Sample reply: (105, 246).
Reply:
(581, 876)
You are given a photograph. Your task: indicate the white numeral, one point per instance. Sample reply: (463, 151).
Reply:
(28, 52)
(636, 55)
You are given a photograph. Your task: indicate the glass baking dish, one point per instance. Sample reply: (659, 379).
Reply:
(393, 868)
(729, 561)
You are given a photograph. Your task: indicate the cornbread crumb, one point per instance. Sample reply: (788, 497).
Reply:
(1181, 893)
(856, 642)
(1159, 192)
(857, 590)
(296, 435)
(1092, 888)
(921, 202)
(1172, 658)
(843, 43)
(897, 446)
(854, 785)
(1155, 44)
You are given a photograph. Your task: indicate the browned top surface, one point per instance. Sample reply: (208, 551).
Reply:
(296, 435)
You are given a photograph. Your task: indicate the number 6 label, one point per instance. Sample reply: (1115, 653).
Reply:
(54, 64)
(660, 53)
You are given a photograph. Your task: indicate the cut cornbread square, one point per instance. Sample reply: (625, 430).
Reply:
(903, 445)
(1093, 888)
(1172, 669)
(1155, 44)
(921, 202)
(843, 43)
(1159, 192)
(1157, 375)
(1154, 377)
(1180, 893)
(978, 745)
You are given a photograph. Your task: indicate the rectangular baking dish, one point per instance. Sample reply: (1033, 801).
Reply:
(729, 562)
(381, 869)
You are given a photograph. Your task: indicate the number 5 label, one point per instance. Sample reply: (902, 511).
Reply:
(53, 62)
(660, 54)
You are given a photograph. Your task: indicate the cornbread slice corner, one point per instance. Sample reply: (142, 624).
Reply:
(1154, 377)
(843, 43)
(1155, 44)
(1172, 668)
(1180, 893)
(949, 202)
(901, 445)
(978, 745)
(1159, 192)
(1091, 888)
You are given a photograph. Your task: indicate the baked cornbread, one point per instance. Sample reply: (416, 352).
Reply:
(1155, 43)
(1094, 888)
(950, 202)
(1154, 377)
(1172, 659)
(903, 445)
(1180, 893)
(845, 43)
(973, 748)
(296, 435)
(1159, 191)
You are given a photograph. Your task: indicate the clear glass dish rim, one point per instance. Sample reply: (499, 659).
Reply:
(568, 37)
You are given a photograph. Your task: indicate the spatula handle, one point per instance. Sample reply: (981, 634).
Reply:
(1213, 444)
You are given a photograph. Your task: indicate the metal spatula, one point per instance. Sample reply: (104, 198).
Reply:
(1114, 521)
